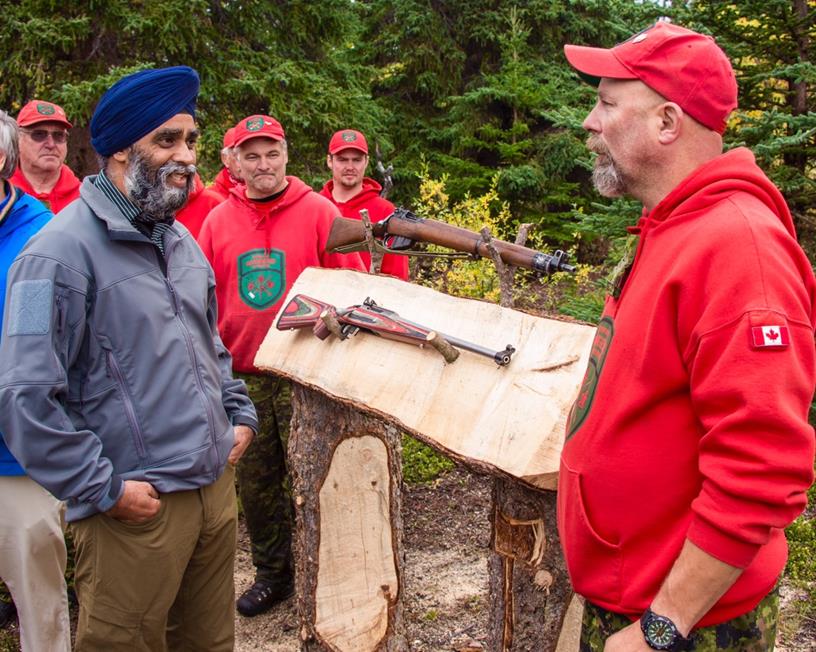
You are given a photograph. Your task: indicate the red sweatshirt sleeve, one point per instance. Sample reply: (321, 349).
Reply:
(757, 452)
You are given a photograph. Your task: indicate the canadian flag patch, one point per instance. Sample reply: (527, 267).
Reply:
(769, 336)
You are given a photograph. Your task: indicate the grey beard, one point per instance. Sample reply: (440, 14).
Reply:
(147, 187)
(606, 176)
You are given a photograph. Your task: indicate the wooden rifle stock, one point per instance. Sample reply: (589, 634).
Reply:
(402, 229)
(323, 319)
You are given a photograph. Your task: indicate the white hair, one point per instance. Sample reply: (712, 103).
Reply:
(8, 144)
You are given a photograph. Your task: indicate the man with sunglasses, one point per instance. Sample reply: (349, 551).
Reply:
(42, 172)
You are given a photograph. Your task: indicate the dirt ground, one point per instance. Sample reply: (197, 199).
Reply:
(447, 536)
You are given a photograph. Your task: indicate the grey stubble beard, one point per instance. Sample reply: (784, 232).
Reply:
(606, 175)
(147, 187)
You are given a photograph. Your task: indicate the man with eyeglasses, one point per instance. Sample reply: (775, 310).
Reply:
(42, 172)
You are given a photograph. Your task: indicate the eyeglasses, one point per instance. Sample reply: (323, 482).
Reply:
(60, 137)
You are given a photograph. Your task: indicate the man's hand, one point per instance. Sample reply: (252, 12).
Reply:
(243, 436)
(138, 503)
(629, 639)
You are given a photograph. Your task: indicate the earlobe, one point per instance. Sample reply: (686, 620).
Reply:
(328, 161)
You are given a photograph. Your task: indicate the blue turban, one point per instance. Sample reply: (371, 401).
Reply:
(137, 104)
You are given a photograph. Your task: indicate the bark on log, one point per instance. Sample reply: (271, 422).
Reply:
(346, 479)
(529, 585)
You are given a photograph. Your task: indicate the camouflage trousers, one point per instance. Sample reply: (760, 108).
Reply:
(263, 483)
(751, 632)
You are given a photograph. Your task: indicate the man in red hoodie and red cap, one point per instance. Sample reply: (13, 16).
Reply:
(351, 191)
(229, 176)
(258, 242)
(688, 449)
(42, 172)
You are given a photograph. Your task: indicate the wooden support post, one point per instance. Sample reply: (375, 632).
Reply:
(346, 479)
(529, 585)
(374, 252)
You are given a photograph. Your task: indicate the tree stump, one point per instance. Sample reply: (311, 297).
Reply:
(346, 482)
(353, 397)
(530, 589)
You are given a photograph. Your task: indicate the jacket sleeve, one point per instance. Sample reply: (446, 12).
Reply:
(43, 329)
(756, 456)
(234, 395)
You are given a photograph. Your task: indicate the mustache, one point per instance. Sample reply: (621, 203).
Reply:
(171, 167)
(596, 145)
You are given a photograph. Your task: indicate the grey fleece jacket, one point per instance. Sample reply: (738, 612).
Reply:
(111, 367)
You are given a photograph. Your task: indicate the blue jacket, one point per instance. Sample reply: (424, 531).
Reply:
(111, 367)
(21, 216)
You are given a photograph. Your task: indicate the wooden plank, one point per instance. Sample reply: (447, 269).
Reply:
(508, 420)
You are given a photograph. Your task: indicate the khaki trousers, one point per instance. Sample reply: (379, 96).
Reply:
(162, 585)
(32, 563)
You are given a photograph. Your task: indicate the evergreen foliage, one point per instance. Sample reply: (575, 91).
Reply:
(295, 60)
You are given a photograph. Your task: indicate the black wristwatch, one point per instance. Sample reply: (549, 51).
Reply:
(661, 633)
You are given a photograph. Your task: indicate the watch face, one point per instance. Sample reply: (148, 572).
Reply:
(661, 632)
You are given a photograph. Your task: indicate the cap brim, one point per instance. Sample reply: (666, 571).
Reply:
(49, 118)
(594, 63)
(347, 146)
(248, 137)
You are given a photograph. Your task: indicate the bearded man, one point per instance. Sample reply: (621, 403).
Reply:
(688, 449)
(117, 394)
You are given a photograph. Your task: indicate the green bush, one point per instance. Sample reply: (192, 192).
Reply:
(420, 463)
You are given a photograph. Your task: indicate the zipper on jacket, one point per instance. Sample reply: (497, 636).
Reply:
(190, 349)
(62, 318)
(116, 373)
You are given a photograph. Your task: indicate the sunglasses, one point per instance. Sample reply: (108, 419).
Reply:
(41, 135)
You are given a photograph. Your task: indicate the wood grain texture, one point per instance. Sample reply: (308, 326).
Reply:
(501, 420)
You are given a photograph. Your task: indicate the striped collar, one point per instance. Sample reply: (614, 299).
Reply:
(153, 230)
(128, 208)
(11, 197)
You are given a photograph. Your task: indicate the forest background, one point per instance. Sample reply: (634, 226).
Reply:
(471, 101)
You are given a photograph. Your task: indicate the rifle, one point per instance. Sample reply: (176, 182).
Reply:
(398, 232)
(323, 318)
(385, 173)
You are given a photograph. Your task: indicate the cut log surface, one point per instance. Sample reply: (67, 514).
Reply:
(355, 533)
(346, 485)
(496, 419)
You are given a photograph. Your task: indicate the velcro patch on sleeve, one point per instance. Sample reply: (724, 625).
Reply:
(30, 306)
(771, 336)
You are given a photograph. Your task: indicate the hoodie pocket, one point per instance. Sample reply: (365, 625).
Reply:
(594, 563)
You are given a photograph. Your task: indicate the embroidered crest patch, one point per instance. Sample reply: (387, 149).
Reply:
(597, 357)
(254, 124)
(765, 337)
(349, 136)
(261, 277)
(46, 109)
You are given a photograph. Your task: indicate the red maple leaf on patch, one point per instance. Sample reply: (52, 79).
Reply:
(772, 335)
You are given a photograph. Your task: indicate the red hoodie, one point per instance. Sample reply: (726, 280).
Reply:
(257, 251)
(199, 204)
(222, 184)
(63, 193)
(378, 209)
(691, 421)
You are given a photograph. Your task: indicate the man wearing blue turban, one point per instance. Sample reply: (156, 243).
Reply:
(117, 393)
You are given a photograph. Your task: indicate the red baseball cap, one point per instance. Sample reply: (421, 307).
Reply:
(257, 126)
(683, 66)
(348, 139)
(229, 137)
(41, 111)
